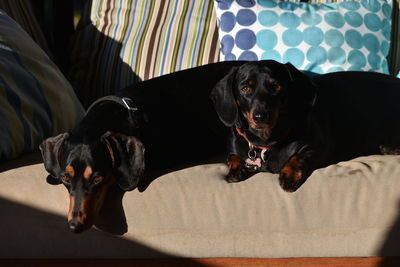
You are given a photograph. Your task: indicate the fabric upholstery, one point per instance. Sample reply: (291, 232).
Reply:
(347, 209)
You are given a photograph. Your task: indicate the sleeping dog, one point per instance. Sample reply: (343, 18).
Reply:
(171, 117)
(281, 121)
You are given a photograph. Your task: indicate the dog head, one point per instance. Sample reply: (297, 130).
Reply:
(263, 98)
(88, 168)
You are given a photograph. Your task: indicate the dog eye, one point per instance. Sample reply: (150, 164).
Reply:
(246, 89)
(275, 86)
(97, 179)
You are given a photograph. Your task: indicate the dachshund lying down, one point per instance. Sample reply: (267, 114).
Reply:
(171, 117)
(281, 122)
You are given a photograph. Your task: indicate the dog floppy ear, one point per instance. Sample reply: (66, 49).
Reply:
(51, 150)
(224, 100)
(128, 153)
(301, 85)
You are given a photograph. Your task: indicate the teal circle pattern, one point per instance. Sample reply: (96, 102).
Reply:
(314, 68)
(387, 10)
(354, 19)
(336, 56)
(372, 22)
(335, 69)
(272, 54)
(266, 39)
(267, 3)
(313, 36)
(292, 37)
(289, 20)
(356, 58)
(354, 39)
(318, 55)
(311, 19)
(386, 29)
(335, 19)
(294, 56)
(334, 38)
(350, 5)
(288, 5)
(371, 42)
(374, 60)
(309, 8)
(385, 66)
(385, 47)
(371, 5)
(353, 68)
(268, 18)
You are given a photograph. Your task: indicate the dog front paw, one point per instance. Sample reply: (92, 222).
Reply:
(232, 178)
(292, 176)
(389, 150)
(237, 170)
(289, 184)
(236, 175)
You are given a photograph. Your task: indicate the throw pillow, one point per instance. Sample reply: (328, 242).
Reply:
(36, 100)
(320, 38)
(120, 42)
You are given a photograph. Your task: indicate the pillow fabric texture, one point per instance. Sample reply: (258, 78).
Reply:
(120, 42)
(320, 38)
(395, 48)
(23, 13)
(36, 100)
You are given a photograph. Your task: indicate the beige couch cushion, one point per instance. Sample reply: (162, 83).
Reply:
(348, 209)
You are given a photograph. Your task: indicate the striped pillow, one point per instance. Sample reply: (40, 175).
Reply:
(36, 101)
(123, 41)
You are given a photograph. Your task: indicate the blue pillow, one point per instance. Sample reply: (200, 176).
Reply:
(319, 38)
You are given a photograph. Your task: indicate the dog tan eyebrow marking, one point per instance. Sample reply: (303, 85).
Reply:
(70, 170)
(87, 173)
(276, 86)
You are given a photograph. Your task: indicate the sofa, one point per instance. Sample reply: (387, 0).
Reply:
(346, 214)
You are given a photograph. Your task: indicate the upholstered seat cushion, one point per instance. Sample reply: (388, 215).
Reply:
(348, 209)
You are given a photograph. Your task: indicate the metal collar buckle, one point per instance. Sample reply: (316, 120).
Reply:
(129, 104)
(252, 153)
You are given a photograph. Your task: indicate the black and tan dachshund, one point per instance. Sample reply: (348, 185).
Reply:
(170, 117)
(281, 121)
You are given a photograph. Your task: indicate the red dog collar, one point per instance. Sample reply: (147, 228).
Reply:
(248, 141)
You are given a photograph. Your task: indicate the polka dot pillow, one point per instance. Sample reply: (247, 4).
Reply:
(319, 38)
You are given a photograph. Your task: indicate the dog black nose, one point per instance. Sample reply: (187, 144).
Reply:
(258, 117)
(75, 227)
